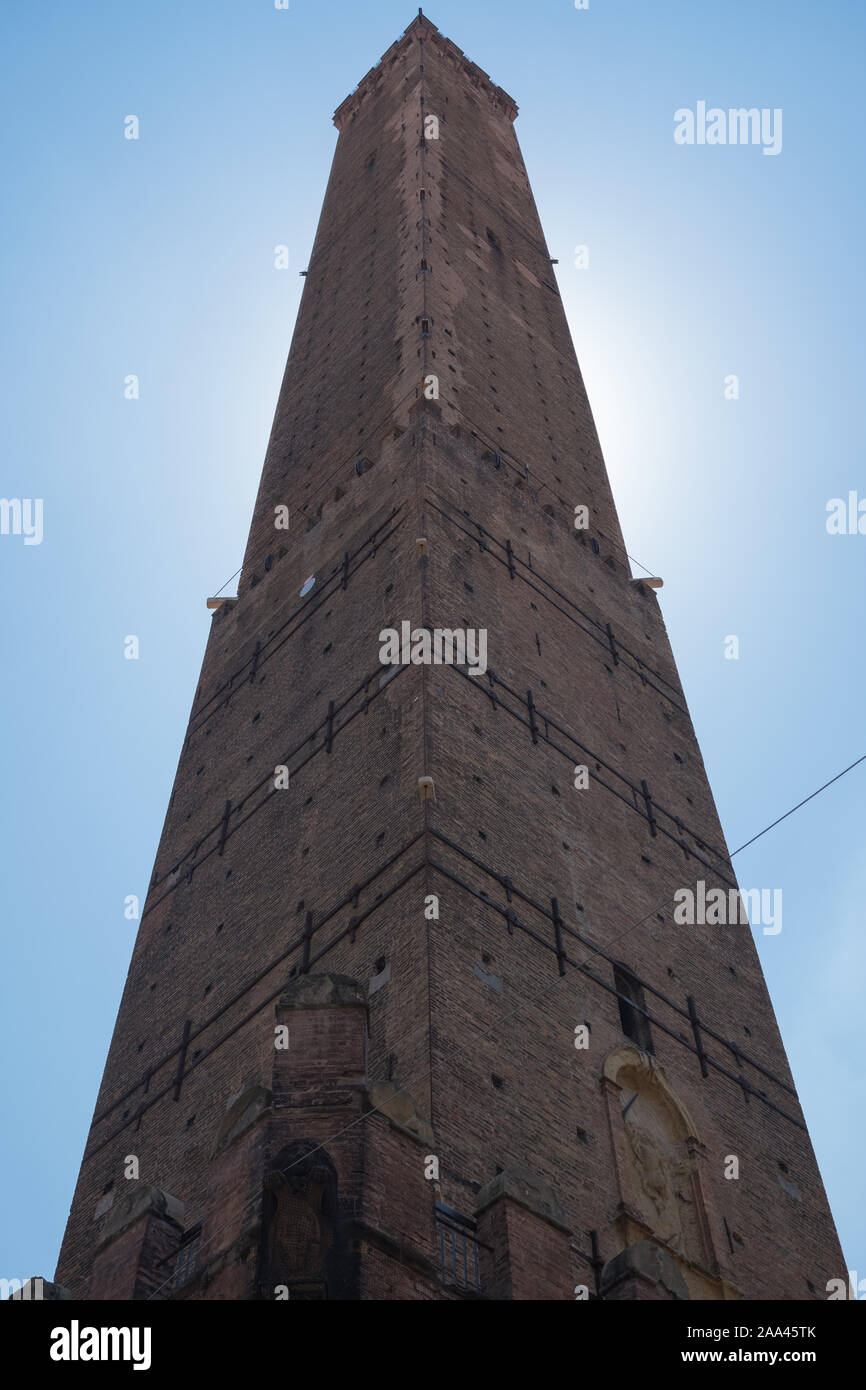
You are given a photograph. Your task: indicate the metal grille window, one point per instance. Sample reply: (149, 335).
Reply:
(458, 1249)
(186, 1264)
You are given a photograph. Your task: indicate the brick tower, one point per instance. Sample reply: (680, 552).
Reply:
(409, 1015)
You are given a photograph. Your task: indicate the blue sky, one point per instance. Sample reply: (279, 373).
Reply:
(155, 257)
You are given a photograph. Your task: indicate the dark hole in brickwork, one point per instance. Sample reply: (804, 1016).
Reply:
(634, 1023)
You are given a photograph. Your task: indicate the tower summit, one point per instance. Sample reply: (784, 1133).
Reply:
(410, 1014)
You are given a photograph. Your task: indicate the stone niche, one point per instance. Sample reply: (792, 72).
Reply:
(300, 1223)
(663, 1224)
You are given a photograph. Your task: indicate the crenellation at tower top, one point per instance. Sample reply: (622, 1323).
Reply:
(424, 29)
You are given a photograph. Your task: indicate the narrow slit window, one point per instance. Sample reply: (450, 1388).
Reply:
(631, 1001)
(186, 1262)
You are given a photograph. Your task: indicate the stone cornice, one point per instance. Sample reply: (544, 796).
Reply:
(422, 28)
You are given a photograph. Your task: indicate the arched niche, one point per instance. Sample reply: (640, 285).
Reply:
(658, 1158)
(300, 1218)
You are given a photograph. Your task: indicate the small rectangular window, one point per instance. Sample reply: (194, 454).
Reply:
(458, 1249)
(631, 1001)
(186, 1264)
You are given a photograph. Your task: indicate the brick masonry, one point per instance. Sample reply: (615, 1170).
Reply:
(305, 1171)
